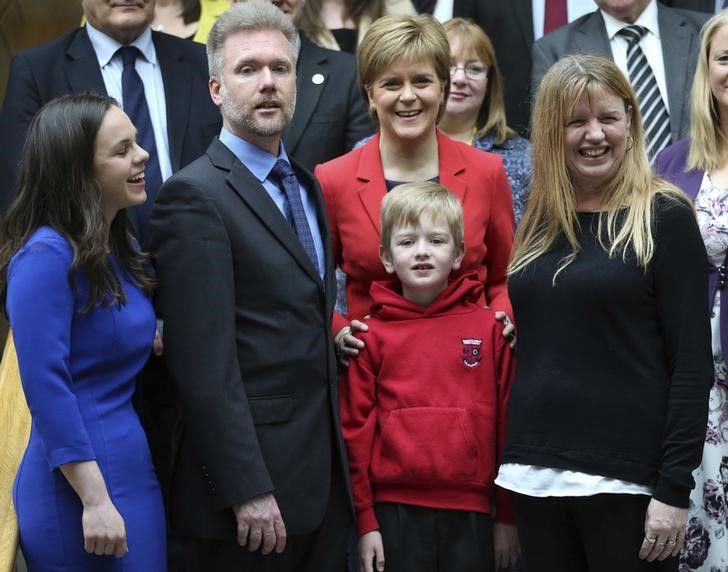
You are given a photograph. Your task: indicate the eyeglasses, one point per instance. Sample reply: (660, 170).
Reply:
(471, 71)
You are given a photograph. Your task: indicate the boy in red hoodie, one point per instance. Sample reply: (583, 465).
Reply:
(423, 409)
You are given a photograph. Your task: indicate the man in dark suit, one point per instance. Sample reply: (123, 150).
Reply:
(174, 72)
(246, 291)
(676, 47)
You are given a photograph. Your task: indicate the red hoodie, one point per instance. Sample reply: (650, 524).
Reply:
(423, 409)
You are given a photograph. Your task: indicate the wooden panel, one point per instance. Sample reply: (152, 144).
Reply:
(27, 23)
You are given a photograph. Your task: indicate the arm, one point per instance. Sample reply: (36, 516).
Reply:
(357, 401)
(683, 309)
(41, 307)
(194, 264)
(498, 242)
(505, 536)
(22, 101)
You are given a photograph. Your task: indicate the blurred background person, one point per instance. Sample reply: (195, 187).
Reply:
(342, 24)
(77, 295)
(655, 46)
(404, 72)
(180, 18)
(608, 281)
(699, 166)
(475, 113)
(159, 79)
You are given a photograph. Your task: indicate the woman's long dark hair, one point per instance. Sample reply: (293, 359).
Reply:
(57, 188)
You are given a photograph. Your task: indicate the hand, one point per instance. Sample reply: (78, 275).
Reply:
(346, 344)
(664, 531)
(371, 551)
(260, 522)
(103, 530)
(506, 545)
(157, 345)
(509, 329)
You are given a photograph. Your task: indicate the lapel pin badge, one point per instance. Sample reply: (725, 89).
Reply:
(317, 79)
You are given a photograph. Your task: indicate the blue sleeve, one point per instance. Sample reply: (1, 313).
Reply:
(40, 305)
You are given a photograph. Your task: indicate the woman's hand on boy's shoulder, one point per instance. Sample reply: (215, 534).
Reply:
(509, 328)
(371, 552)
(506, 546)
(346, 344)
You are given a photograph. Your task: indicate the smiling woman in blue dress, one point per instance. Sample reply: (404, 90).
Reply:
(76, 293)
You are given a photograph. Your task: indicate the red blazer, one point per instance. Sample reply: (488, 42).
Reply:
(353, 186)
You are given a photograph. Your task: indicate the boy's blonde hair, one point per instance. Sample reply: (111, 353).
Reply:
(405, 204)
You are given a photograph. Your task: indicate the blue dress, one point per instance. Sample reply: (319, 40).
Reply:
(78, 372)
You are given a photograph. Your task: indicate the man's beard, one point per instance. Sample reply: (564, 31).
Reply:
(243, 116)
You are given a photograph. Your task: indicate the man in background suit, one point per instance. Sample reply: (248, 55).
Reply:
(331, 115)
(246, 291)
(676, 52)
(174, 72)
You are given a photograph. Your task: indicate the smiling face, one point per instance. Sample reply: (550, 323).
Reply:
(469, 83)
(718, 69)
(595, 141)
(118, 164)
(257, 90)
(290, 7)
(422, 257)
(123, 20)
(406, 97)
(624, 10)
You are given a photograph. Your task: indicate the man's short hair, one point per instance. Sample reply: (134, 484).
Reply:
(250, 15)
(405, 204)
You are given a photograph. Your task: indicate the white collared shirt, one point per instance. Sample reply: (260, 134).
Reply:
(650, 44)
(151, 75)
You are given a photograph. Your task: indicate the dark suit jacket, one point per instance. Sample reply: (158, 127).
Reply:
(68, 65)
(509, 25)
(699, 5)
(679, 34)
(247, 331)
(331, 115)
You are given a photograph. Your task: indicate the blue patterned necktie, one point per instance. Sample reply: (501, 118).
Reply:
(283, 171)
(135, 106)
(655, 119)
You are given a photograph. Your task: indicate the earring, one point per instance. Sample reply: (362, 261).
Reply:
(630, 143)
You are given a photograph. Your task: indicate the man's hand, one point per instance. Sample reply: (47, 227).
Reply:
(260, 523)
(505, 543)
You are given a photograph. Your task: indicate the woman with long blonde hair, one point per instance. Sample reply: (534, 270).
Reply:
(608, 282)
(699, 166)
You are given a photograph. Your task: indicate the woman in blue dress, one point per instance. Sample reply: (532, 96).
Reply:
(76, 292)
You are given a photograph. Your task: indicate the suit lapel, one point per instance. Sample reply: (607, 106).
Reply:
(256, 198)
(311, 66)
(177, 94)
(676, 39)
(82, 66)
(370, 180)
(591, 36)
(452, 166)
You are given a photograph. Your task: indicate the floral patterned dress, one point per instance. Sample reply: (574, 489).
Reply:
(706, 542)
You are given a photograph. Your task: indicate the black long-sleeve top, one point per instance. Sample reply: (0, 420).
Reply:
(614, 361)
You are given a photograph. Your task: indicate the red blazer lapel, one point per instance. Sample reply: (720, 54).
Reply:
(452, 167)
(370, 178)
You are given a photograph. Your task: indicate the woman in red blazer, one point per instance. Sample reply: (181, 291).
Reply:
(404, 74)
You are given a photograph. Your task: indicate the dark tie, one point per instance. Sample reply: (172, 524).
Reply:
(135, 106)
(284, 173)
(554, 15)
(655, 119)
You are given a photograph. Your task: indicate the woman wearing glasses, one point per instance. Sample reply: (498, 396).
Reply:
(475, 111)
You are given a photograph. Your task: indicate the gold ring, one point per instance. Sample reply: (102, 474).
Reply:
(651, 540)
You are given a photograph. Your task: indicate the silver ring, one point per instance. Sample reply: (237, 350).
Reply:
(672, 541)
(651, 540)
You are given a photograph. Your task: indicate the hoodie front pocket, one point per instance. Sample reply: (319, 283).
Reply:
(427, 445)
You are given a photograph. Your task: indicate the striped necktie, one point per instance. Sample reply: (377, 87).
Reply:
(655, 119)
